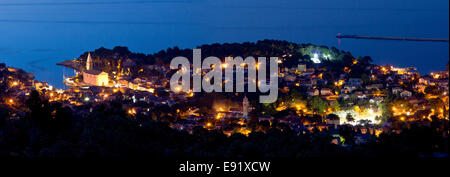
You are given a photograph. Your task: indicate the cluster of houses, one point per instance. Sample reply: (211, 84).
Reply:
(98, 86)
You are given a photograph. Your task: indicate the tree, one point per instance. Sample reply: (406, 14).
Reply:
(4, 115)
(364, 122)
(318, 105)
(333, 117)
(438, 105)
(335, 105)
(39, 110)
(349, 118)
(365, 78)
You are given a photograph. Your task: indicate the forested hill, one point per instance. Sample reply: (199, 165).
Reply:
(292, 53)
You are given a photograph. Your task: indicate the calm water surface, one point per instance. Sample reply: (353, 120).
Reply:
(35, 34)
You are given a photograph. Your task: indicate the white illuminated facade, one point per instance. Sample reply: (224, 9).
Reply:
(316, 59)
(94, 77)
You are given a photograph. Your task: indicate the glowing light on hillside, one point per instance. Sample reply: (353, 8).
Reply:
(339, 83)
(132, 111)
(241, 122)
(384, 70)
(367, 115)
(320, 75)
(357, 109)
(315, 58)
(436, 76)
(177, 89)
(245, 131)
(219, 113)
(347, 70)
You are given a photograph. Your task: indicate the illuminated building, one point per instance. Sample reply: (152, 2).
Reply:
(301, 68)
(94, 77)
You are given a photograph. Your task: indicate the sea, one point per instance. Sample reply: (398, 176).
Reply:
(36, 34)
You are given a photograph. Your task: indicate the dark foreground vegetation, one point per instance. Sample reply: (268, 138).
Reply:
(50, 130)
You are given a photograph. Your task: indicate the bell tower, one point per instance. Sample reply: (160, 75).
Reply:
(89, 62)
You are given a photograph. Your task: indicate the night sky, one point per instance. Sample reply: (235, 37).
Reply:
(35, 34)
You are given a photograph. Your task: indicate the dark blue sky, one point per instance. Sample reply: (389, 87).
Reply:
(35, 34)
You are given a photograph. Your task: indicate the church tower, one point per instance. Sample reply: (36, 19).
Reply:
(89, 62)
(245, 107)
(94, 77)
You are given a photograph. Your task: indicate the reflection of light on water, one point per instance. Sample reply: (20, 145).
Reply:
(367, 114)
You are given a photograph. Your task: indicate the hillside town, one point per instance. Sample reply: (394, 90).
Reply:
(354, 103)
